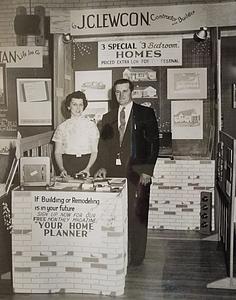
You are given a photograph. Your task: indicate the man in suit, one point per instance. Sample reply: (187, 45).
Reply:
(128, 147)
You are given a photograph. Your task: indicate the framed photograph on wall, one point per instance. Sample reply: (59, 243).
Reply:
(34, 101)
(95, 110)
(96, 85)
(187, 83)
(3, 96)
(187, 120)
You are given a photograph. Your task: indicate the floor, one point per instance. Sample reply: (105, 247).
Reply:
(178, 265)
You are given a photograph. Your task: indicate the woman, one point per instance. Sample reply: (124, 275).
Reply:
(76, 139)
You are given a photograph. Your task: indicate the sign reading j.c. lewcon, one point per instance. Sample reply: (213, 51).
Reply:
(22, 57)
(148, 51)
(141, 19)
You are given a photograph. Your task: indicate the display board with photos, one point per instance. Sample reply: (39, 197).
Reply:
(150, 83)
(10, 122)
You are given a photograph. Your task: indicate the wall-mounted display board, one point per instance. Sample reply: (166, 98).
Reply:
(9, 123)
(146, 62)
(34, 101)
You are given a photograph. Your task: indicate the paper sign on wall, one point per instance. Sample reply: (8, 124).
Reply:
(140, 52)
(66, 217)
(22, 57)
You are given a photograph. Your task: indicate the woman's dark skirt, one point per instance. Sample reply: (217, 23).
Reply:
(73, 164)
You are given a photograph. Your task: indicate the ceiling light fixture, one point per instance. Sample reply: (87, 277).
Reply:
(201, 35)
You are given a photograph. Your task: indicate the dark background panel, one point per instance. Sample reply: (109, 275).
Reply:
(85, 55)
(11, 112)
(228, 75)
(195, 55)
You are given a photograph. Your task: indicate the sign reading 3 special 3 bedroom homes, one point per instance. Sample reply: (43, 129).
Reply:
(147, 51)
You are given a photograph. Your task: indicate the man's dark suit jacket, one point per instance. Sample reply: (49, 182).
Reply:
(139, 149)
(138, 153)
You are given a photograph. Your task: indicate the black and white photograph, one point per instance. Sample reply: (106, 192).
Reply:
(117, 150)
(34, 101)
(187, 83)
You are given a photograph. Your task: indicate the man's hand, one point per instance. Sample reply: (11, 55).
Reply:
(145, 179)
(84, 173)
(63, 173)
(101, 173)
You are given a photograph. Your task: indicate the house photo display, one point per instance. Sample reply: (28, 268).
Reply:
(96, 85)
(187, 119)
(158, 78)
(95, 110)
(187, 83)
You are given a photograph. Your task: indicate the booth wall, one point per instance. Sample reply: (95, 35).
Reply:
(176, 193)
(8, 10)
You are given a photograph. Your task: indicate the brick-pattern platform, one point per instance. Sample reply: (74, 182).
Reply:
(68, 265)
(175, 193)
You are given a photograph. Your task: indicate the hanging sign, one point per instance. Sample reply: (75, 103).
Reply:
(142, 19)
(140, 52)
(22, 57)
(137, 19)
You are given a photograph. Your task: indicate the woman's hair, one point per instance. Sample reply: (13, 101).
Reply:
(124, 80)
(76, 95)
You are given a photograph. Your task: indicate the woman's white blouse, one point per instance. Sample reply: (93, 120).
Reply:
(77, 136)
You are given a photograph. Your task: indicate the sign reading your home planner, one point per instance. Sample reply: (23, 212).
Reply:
(62, 217)
(140, 52)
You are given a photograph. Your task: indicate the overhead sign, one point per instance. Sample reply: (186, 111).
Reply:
(22, 57)
(150, 51)
(140, 19)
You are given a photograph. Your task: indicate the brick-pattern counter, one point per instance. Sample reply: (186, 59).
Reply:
(176, 190)
(46, 260)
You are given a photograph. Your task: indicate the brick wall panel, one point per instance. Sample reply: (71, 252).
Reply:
(175, 203)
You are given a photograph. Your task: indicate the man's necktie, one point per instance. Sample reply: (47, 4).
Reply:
(122, 124)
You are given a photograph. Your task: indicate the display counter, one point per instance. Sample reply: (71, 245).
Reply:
(69, 240)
